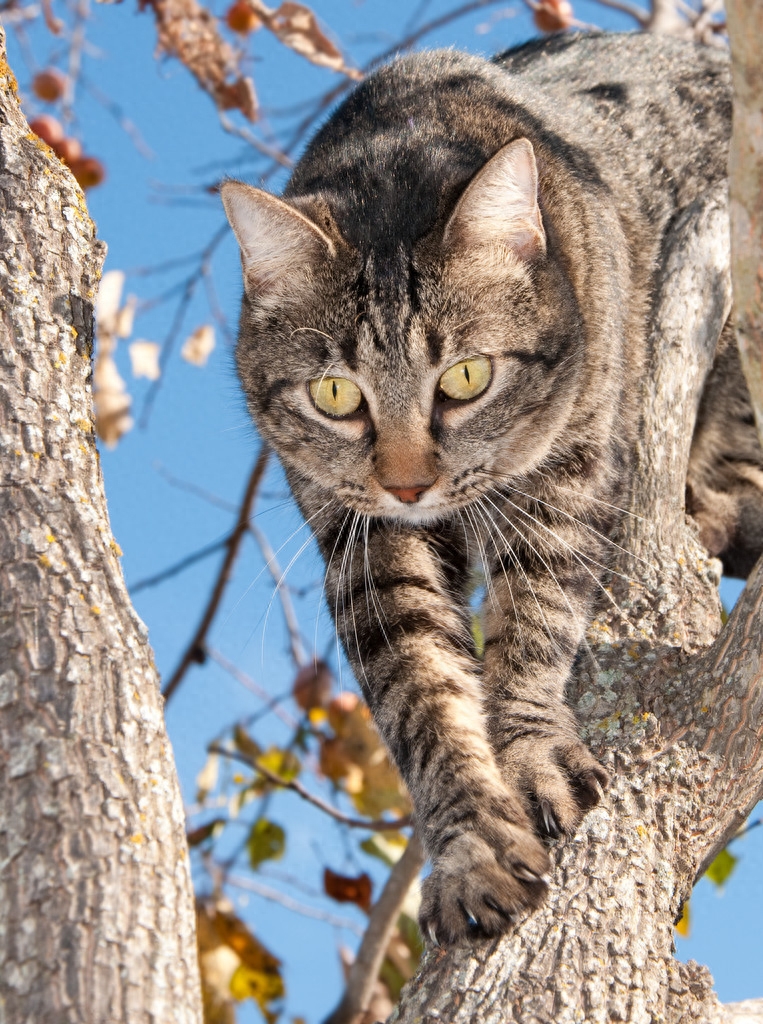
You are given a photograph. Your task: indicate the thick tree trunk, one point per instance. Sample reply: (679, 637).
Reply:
(97, 921)
(676, 715)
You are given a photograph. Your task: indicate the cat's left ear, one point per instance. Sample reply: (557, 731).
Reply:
(500, 205)
(277, 241)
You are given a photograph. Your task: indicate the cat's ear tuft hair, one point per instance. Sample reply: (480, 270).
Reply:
(277, 242)
(500, 205)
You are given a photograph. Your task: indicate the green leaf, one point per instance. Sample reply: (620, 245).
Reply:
(267, 841)
(721, 868)
(244, 742)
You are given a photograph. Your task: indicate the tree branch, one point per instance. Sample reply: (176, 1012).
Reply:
(195, 651)
(381, 924)
(745, 27)
(372, 824)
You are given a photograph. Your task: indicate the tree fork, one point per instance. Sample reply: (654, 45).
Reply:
(672, 708)
(97, 922)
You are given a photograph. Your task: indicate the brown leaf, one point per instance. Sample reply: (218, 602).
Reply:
(346, 889)
(312, 686)
(297, 27)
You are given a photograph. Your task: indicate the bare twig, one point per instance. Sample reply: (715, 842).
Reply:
(195, 650)
(273, 703)
(179, 566)
(381, 923)
(372, 824)
(295, 638)
(281, 898)
(637, 13)
(188, 290)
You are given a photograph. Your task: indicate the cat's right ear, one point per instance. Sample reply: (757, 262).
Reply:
(500, 205)
(277, 242)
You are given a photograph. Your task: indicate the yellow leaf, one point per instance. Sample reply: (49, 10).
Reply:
(282, 763)
(683, 924)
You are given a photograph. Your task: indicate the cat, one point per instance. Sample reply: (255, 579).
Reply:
(442, 336)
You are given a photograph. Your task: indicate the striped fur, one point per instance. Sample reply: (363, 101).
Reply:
(401, 272)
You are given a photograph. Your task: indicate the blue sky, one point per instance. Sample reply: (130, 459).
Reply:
(155, 210)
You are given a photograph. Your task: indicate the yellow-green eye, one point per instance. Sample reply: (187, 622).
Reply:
(466, 379)
(336, 396)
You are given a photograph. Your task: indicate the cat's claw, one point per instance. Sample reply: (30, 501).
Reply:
(559, 776)
(481, 880)
(550, 824)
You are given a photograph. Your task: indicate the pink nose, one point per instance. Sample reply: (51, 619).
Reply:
(409, 494)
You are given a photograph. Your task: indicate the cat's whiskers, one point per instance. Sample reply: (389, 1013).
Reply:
(576, 618)
(327, 570)
(516, 561)
(370, 586)
(504, 481)
(590, 497)
(488, 519)
(284, 574)
(266, 566)
(482, 555)
(353, 542)
(313, 330)
(581, 556)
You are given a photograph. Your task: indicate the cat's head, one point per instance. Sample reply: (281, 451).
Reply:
(406, 380)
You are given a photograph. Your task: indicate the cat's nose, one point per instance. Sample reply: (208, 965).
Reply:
(409, 494)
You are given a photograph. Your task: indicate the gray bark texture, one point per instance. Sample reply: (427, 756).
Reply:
(96, 921)
(672, 705)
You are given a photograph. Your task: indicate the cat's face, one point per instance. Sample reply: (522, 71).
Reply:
(408, 387)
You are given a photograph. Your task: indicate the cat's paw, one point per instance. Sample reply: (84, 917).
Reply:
(560, 778)
(480, 882)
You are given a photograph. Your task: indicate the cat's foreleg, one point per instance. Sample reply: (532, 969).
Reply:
(542, 582)
(408, 638)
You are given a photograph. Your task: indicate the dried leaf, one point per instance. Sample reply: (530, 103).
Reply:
(267, 841)
(358, 757)
(312, 686)
(387, 847)
(188, 31)
(144, 357)
(235, 965)
(110, 398)
(206, 780)
(197, 348)
(244, 742)
(125, 317)
(212, 829)
(107, 302)
(348, 889)
(297, 27)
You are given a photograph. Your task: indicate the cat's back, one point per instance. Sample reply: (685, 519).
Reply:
(643, 119)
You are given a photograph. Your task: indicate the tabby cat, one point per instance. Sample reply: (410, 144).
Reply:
(442, 336)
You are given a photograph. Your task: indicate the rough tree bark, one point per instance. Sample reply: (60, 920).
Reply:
(97, 922)
(672, 704)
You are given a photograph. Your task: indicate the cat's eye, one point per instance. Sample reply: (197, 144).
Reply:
(466, 379)
(336, 396)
